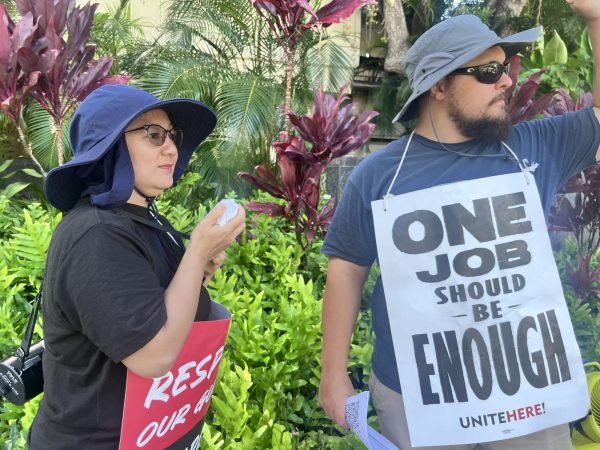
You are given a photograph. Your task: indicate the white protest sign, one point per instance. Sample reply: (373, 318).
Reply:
(482, 335)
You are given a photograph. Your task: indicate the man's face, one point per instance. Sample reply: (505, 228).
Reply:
(477, 109)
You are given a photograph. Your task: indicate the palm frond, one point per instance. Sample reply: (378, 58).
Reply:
(212, 26)
(41, 133)
(328, 64)
(117, 34)
(190, 78)
(218, 163)
(247, 107)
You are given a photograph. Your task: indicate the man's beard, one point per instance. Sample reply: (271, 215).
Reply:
(484, 128)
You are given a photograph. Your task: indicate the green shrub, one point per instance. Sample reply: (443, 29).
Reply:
(583, 310)
(266, 394)
(25, 232)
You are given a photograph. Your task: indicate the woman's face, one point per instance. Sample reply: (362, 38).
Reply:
(153, 165)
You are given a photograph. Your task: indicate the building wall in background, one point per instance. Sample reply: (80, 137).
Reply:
(153, 12)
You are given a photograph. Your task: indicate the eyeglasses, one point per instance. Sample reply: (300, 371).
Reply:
(157, 135)
(485, 73)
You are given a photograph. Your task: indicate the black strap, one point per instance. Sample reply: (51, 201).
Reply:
(23, 351)
(157, 225)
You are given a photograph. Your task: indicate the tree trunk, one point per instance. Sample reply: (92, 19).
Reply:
(397, 36)
(28, 150)
(288, 89)
(59, 143)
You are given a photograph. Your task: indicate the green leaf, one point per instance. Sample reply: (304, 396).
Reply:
(328, 64)
(32, 173)
(4, 165)
(13, 189)
(245, 105)
(41, 132)
(555, 51)
(585, 44)
(189, 78)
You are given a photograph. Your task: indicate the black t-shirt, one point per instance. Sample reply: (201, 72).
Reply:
(103, 300)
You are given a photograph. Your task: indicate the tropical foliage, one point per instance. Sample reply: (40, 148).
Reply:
(223, 53)
(45, 56)
(329, 132)
(286, 21)
(266, 393)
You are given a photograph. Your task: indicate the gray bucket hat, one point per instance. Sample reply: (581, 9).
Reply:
(449, 45)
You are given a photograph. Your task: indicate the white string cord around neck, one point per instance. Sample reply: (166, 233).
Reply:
(524, 166)
(387, 194)
(153, 210)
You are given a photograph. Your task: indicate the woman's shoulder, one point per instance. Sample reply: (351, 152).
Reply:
(86, 221)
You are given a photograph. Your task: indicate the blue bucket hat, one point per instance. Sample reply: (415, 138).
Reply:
(100, 121)
(449, 45)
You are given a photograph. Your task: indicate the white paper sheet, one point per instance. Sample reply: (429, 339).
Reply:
(356, 416)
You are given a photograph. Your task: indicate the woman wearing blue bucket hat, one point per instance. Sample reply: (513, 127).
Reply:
(121, 292)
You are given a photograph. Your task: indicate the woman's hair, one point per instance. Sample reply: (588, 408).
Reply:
(110, 180)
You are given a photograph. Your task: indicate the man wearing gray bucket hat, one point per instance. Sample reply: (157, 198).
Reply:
(122, 294)
(454, 214)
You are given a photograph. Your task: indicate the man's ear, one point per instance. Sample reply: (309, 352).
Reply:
(439, 90)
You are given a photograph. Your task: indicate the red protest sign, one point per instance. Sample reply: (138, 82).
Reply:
(163, 412)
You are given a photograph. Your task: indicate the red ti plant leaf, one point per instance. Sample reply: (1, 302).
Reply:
(584, 101)
(330, 131)
(513, 73)
(265, 181)
(71, 73)
(336, 12)
(19, 62)
(284, 18)
(583, 279)
(269, 208)
(577, 211)
(564, 103)
(24, 57)
(522, 102)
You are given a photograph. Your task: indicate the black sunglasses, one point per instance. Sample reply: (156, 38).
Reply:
(157, 135)
(485, 73)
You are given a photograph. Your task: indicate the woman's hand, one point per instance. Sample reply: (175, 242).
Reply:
(211, 267)
(209, 239)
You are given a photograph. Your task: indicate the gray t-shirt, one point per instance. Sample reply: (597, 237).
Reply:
(561, 145)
